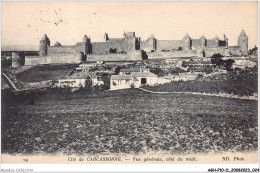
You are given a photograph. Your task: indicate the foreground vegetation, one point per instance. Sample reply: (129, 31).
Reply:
(128, 121)
(242, 83)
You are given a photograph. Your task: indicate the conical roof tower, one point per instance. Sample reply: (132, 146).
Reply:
(243, 33)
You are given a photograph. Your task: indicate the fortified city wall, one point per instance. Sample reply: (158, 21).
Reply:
(101, 47)
(131, 47)
(130, 56)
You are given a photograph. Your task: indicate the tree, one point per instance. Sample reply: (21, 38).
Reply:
(208, 69)
(117, 70)
(88, 84)
(184, 64)
(228, 64)
(217, 59)
(158, 71)
(251, 51)
(106, 79)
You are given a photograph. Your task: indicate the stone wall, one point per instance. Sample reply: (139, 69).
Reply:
(195, 43)
(148, 45)
(79, 47)
(131, 44)
(129, 56)
(169, 44)
(211, 51)
(101, 47)
(61, 50)
(212, 43)
(145, 45)
(176, 44)
(235, 50)
(172, 54)
(53, 59)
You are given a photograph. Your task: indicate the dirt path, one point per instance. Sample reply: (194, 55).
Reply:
(205, 94)
(12, 85)
(10, 82)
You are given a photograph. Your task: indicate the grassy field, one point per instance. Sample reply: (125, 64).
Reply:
(129, 121)
(46, 72)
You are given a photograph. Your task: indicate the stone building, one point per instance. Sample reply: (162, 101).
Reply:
(133, 79)
(79, 81)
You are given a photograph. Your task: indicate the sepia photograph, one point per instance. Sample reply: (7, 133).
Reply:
(129, 82)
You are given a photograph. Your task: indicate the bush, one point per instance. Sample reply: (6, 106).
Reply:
(158, 71)
(174, 70)
(218, 61)
(199, 76)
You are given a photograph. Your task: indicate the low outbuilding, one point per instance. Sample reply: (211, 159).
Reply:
(133, 79)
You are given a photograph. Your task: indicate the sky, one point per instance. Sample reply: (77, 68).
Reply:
(24, 23)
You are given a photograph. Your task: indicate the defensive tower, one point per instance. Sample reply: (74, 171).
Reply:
(186, 42)
(87, 45)
(106, 38)
(243, 42)
(203, 41)
(152, 42)
(44, 44)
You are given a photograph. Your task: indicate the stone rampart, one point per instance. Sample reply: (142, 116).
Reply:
(169, 44)
(130, 56)
(61, 50)
(171, 54)
(212, 43)
(101, 47)
(196, 43)
(53, 59)
(235, 50)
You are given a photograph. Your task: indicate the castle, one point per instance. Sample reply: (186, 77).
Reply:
(130, 47)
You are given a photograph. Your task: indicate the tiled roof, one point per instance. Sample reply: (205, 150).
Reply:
(121, 77)
(151, 36)
(242, 33)
(143, 74)
(87, 64)
(129, 70)
(85, 38)
(187, 35)
(45, 37)
(72, 77)
(57, 44)
(202, 36)
(132, 75)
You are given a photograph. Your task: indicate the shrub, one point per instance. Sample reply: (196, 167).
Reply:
(158, 71)
(199, 76)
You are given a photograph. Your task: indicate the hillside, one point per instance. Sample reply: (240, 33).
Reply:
(243, 83)
(46, 72)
